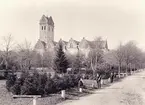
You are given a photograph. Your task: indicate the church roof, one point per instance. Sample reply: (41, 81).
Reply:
(45, 19)
(55, 43)
(50, 21)
(72, 43)
(85, 43)
(92, 44)
(40, 45)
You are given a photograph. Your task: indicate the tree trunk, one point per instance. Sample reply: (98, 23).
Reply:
(130, 68)
(126, 69)
(93, 69)
(119, 70)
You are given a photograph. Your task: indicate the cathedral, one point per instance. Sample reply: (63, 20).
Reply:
(46, 40)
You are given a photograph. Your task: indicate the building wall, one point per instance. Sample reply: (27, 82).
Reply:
(46, 32)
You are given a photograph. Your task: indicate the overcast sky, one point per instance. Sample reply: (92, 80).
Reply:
(114, 20)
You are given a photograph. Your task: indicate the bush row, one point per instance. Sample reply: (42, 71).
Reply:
(39, 84)
(90, 75)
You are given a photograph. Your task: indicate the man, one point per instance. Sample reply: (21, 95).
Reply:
(81, 84)
(112, 77)
(98, 79)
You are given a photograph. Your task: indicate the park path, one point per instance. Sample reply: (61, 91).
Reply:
(129, 91)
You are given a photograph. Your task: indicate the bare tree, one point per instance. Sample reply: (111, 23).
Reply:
(96, 55)
(128, 54)
(142, 60)
(119, 56)
(25, 55)
(47, 59)
(137, 58)
(132, 54)
(8, 44)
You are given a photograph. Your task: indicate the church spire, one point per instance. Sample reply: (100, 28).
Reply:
(46, 29)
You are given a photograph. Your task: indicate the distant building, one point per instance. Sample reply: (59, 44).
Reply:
(46, 40)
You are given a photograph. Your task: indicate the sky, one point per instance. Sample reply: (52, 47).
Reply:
(114, 20)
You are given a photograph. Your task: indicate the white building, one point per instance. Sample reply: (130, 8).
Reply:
(46, 40)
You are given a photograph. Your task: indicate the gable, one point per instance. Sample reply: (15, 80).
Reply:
(40, 45)
(43, 20)
(72, 43)
(84, 43)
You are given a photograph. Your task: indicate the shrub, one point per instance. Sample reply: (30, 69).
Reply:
(69, 81)
(61, 83)
(43, 79)
(40, 84)
(49, 87)
(56, 83)
(76, 79)
(106, 75)
(24, 75)
(10, 81)
(30, 86)
(49, 75)
(16, 88)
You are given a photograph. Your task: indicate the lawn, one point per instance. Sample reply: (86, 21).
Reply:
(53, 99)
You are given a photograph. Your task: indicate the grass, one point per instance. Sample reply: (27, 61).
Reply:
(53, 99)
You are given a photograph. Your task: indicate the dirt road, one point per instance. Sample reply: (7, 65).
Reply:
(129, 91)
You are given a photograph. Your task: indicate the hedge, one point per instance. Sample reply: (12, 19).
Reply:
(40, 84)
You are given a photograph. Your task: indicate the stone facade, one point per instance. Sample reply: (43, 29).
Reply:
(46, 40)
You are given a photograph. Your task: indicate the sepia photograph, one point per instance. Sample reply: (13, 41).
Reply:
(72, 52)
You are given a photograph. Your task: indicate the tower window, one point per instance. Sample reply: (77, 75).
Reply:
(42, 27)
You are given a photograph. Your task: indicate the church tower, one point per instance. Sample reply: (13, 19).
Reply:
(46, 27)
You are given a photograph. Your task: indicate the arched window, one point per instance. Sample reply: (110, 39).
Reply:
(42, 27)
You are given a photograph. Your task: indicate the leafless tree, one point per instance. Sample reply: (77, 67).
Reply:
(25, 55)
(138, 58)
(119, 56)
(47, 58)
(132, 54)
(8, 45)
(96, 55)
(128, 54)
(43, 60)
(97, 52)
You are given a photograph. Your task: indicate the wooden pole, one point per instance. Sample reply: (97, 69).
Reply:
(63, 94)
(34, 100)
(80, 90)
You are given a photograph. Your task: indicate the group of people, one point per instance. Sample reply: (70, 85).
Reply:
(98, 80)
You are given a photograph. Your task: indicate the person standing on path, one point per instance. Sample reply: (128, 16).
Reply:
(80, 84)
(112, 77)
(98, 79)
